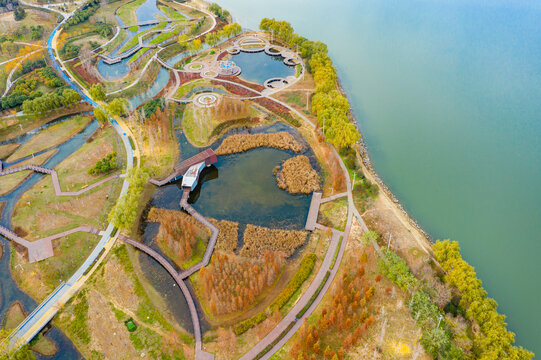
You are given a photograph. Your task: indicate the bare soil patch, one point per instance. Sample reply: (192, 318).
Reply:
(88, 206)
(122, 293)
(46, 221)
(6, 150)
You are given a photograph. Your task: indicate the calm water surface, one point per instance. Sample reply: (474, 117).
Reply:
(447, 96)
(259, 67)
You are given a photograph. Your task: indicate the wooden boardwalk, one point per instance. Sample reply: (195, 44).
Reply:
(179, 279)
(207, 156)
(181, 276)
(54, 177)
(42, 249)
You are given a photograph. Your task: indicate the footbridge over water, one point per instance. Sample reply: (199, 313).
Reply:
(207, 156)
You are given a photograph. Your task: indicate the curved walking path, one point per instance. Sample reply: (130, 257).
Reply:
(180, 277)
(50, 306)
(213, 237)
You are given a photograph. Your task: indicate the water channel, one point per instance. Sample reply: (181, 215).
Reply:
(9, 291)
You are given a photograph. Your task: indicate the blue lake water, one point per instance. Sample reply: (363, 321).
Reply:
(447, 94)
(258, 67)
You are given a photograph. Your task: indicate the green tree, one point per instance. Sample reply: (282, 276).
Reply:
(100, 115)
(97, 91)
(118, 107)
(22, 353)
(369, 237)
(19, 13)
(435, 341)
(212, 38)
(70, 97)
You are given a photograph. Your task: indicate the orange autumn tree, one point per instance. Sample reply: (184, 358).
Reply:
(232, 283)
(348, 317)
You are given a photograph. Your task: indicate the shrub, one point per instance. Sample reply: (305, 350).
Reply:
(104, 165)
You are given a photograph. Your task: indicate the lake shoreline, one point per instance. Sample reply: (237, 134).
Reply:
(368, 169)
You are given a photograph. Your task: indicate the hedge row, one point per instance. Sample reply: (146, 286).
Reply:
(313, 298)
(307, 265)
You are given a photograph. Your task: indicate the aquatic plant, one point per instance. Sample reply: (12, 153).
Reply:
(297, 176)
(243, 142)
(258, 240)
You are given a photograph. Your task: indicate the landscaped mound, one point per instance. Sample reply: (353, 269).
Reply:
(297, 176)
(231, 283)
(179, 233)
(243, 142)
(258, 240)
(228, 235)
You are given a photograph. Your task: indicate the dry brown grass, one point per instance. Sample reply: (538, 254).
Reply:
(243, 142)
(228, 236)
(297, 176)
(6, 150)
(258, 240)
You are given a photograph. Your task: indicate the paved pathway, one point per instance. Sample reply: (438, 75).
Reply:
(48, 308)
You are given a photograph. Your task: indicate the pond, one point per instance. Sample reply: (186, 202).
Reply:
(159, 83)
(258, 67)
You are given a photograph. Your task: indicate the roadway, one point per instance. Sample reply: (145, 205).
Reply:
(48, 308)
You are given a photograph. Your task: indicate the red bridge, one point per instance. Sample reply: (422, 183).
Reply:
(207, 156)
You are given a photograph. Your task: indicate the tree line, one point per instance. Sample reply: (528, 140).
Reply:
(347, 317)
(493, 341)
(83, 14)
(231, 283)
(328, 104)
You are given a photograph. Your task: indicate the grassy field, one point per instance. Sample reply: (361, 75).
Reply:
(13, 127)
(33, 17)
(52, 136)
(116, 292)
(171, 12)
(11, 181)
(334, 214)
(40, 213)
(6, 150)
(126, 13)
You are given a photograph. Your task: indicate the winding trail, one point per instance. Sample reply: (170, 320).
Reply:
(182, 276)
(45, 311)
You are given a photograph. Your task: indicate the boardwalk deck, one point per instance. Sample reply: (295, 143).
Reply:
(314, 210)
(207, 156)
(42, 249)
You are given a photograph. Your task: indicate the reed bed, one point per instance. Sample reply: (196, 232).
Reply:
(243, 142)
(258, 240)
(297, 176)
(228, 236)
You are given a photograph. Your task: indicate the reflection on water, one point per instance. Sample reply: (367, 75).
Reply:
(258, 67)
